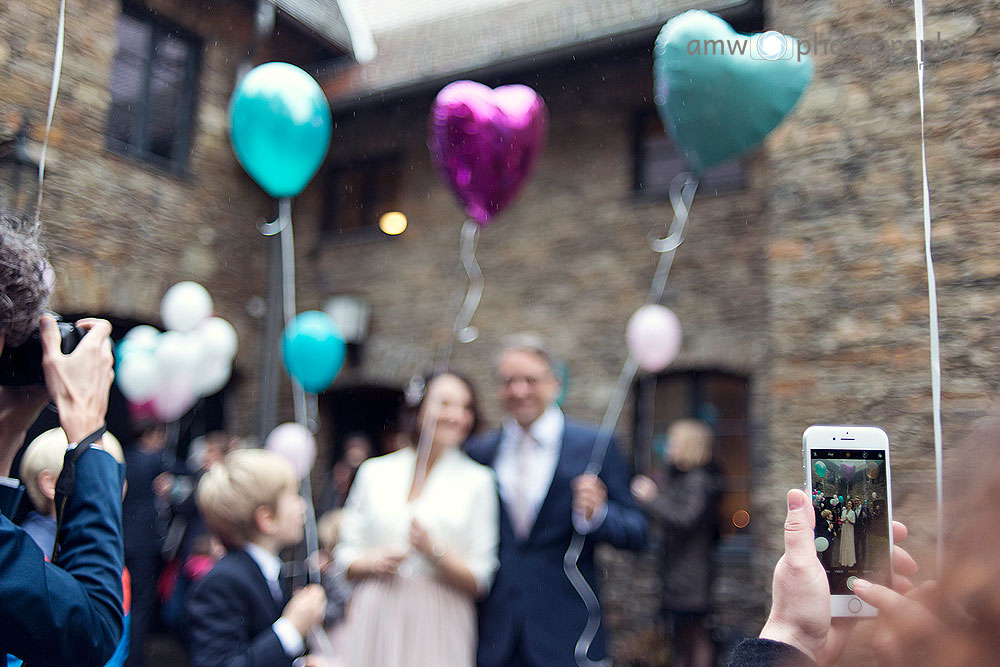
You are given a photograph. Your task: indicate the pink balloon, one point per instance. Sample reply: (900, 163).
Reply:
(484, 142)
(141, 411)
(295, 444)
(173, 399)
(653, 335)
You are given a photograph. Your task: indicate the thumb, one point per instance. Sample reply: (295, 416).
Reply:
(49, 335)
(800, 541)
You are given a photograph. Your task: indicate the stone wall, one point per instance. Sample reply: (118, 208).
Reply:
(849, 327)
(121, 231)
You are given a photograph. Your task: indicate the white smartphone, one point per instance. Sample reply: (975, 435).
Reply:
(847, 477)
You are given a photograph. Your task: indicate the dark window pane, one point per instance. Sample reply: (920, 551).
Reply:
(357, 195)
(658, 161)
(151, 90)
(128, 75)
(166, 96)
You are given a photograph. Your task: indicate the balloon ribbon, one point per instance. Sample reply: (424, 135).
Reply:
(918, 12)
(682, 191)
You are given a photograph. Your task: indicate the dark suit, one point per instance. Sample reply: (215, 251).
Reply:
(70, 613)
(229, 614)
(532, 611)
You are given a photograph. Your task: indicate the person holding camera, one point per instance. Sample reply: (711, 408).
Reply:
(66, 612)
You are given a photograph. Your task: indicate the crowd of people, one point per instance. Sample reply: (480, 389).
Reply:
(450, 551)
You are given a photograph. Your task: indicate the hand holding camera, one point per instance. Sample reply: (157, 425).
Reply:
(79, 383)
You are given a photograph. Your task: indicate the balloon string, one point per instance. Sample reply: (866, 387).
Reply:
(918, 11)
(682, 191)
(465, 333)
(461, 330)
(298, 393)
(53, 93)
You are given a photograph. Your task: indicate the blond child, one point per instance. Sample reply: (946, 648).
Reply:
(41, 464)
(237, 613)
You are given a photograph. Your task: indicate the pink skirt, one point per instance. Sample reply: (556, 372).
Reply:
(410, 622)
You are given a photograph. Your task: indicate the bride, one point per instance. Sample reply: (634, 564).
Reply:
(419, 541)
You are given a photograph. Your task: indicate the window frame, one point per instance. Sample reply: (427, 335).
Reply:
(331, 233)
(183, 140)
(729, 178)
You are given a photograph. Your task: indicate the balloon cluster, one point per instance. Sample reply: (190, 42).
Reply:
(165, 373)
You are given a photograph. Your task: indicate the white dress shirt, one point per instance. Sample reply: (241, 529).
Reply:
(533, 477)
(270, 567)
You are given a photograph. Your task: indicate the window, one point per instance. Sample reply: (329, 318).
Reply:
(152, 91)
(658, 160)
(722, 401)
(357, 194)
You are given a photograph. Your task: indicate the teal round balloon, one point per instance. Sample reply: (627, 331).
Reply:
(313, 350)
(280, 126)
(717, 93)
(820, 469)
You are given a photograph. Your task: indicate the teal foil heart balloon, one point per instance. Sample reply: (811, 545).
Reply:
(280, 125)
(719, 92)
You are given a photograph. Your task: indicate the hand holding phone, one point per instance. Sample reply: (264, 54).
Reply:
(848, 484)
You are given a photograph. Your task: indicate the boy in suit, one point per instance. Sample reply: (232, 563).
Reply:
(237, 614)
(533, 616)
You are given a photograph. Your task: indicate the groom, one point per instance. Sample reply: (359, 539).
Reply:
(533, 616)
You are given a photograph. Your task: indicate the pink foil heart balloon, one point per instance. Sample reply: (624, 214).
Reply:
(484, 143)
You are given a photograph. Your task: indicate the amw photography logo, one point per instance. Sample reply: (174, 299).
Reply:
(773, 45)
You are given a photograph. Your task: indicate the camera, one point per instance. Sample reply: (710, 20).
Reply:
(21, 366)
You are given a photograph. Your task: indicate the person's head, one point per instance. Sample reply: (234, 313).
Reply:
(526, 375)
(690, 444)
(24, 289)
(849, 504)
(210, 449)
(150, 436)
(827, 514)
(251, 496)
(43, 461)
(448, 403)
(357, 448)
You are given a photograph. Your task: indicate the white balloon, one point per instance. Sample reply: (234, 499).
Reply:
(822, 544)
(218, 338)
(143, 335)
(213, 377)
(138, 376)
(296, 444)
(653, 336)
(185, 305)
(180, 360)
(173, 398)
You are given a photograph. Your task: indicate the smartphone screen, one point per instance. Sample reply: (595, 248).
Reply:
(851, 501)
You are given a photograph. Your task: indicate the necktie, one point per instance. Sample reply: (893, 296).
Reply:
(523, 514)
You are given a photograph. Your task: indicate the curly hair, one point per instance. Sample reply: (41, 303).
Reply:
(24, 293)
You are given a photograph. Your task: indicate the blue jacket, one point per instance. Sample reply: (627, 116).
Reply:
(532, 609)
(229, 616)
(71, 613)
